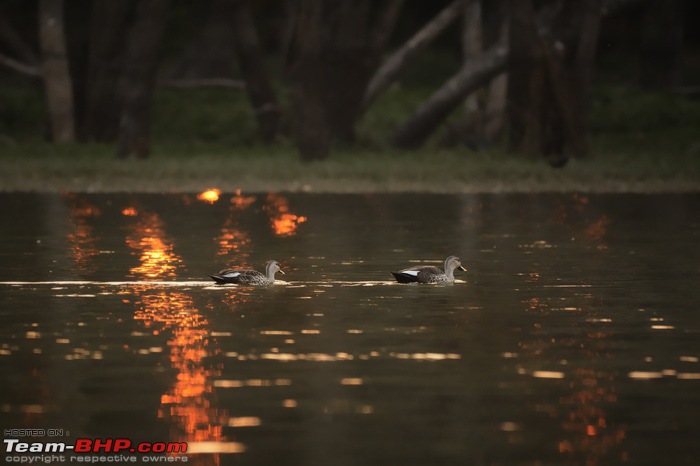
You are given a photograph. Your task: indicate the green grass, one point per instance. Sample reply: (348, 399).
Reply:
(639, 141)
(45, 167)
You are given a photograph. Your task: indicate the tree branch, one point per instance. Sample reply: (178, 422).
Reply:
(22, 68)
(386, 73)
(414, 131)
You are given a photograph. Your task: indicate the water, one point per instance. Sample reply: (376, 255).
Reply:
(572, 339)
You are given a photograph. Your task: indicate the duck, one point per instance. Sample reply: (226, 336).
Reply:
(429, 273)
(248, 276)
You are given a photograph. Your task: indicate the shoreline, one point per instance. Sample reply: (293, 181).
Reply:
(447, 172)
(353, 187)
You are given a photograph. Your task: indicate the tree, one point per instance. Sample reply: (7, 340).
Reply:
(139, 78)
(393, 65)
(209, 54)
(250, 59)
(661, 44)
(484, 25)
(334, 49)
(549, 71)
(57, 80)
(109, 26)
(416, 129)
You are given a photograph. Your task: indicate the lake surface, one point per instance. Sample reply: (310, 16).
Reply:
(574, 337)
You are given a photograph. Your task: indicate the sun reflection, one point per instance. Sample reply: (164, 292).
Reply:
(188, 403)
(241, 202)
(210, 195)
(283, 222)
(582, 409)
(591, 390)
(157, 259)
(232, 239)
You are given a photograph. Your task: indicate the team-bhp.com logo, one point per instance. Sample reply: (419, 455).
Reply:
(86, 445)
(91, 450)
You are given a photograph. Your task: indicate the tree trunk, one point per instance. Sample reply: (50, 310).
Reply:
(662, 43)
(590, 15)
(391, 68)
(106, 66)
(484, 25)
(495, 32)
(312, 133)
(549, 79)
(78, 15)
(57, 80)
(331, 57)
(143, 45)
(525, 80)
(251, 61)
(209, 54)
(415, 130)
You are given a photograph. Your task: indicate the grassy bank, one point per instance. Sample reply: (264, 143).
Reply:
(640, 142)
(44, 167)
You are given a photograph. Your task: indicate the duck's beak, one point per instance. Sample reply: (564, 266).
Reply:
(281, 271)
(462, 268)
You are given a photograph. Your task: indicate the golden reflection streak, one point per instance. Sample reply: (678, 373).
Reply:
(187, 403)
(282, 221)
(147, 237)
(580, 411)
(574, 210)
(240, 201)
(232, 239)
(81, 236)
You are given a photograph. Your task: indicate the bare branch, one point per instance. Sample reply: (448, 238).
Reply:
(475, 74)
(22, 68)
(386, 74)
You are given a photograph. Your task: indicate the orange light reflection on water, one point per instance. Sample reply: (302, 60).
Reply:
(210, 195)
(232, 238)
(157, 260)
(81, 237)
(188, 402)
(240, 201)
(283, 222)
(582, 411)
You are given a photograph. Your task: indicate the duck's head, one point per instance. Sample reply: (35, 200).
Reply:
(452, 263)
(272, 268)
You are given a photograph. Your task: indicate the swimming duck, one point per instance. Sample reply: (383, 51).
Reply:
(248, 277)
(430, 274)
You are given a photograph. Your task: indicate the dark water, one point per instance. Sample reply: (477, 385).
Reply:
(574, 338)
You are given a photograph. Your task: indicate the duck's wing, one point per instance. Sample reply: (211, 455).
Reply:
(415, 274)
(235, 276)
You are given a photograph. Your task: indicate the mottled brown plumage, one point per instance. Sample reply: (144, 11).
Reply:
(429, 273)
(247, 276)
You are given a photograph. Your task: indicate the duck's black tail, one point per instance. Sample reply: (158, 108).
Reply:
(401, 278)
(219, 280)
